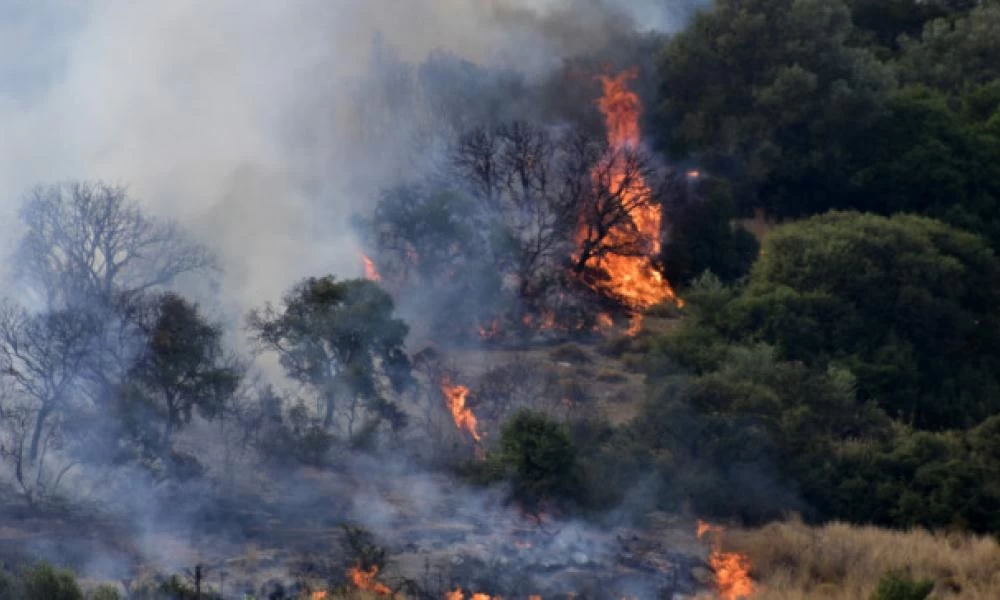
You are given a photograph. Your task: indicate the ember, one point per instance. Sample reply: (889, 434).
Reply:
(732, 569)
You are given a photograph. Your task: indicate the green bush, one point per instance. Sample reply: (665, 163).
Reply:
(900, 586)
(45, 582)
(105, 592)
(539, 457)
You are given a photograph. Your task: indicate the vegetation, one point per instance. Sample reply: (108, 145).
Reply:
(842, 562)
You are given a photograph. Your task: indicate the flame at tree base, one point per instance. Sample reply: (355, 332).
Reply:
(365, 580)
(732, 569)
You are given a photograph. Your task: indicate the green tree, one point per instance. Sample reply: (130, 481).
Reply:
(182, 369)
(44, 582)
(933, 159)
(905, 303)
(955, 53)
(539, 456)
(769, 93)
(704, 238)
(339, 338)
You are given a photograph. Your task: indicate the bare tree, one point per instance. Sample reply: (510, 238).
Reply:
(42, 358)
(515, 171)
(88, 241)
(616, 191)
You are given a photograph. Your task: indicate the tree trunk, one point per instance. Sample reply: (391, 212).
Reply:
(36, 435)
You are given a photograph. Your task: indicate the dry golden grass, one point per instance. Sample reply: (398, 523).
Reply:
(792, 561)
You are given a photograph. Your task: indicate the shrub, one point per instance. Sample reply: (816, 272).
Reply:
(105, 592)
(45, 582)
(900, 586)
(539, 457)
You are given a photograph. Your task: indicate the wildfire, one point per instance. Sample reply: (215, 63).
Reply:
(454, 398)
(732, 569)
(632, 279)
(371, 273)
(318, 595)
(365, 580)
(458, 594)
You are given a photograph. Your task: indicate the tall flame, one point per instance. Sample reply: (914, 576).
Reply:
(365, 580)
(632, 279)
(732, 569)
(454, 398)
(371, 273)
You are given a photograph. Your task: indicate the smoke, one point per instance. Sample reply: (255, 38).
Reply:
(262, 127)
(236, 118)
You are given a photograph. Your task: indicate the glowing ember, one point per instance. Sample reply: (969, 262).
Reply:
(458, 594)
(318, 595)
(604, 321)
(732, 569)
(454, 398)
(632, 279)
(371, 273)
(365, 580)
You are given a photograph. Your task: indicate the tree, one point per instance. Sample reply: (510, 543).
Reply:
(955, 53)
(182, 369)
(905, 303)
(933, 159)
(340, 339)
(704, 238)
(525, 183)
(539, 456)
(88, 242)
(43, 357)
(768, 93)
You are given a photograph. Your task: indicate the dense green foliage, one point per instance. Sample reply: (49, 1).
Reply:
(771, 94)
(853, 376)
(337, 337)
(539, 457)
(906, 304)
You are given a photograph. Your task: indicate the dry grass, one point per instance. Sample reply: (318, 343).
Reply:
(843, 562)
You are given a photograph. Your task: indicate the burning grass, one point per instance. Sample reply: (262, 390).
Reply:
(793, 561)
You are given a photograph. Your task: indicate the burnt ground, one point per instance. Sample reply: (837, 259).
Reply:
(287, 528)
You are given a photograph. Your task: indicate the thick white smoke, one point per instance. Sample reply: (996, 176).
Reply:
(230, 115)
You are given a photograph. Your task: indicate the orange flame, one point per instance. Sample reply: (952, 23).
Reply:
(732, 569)
(454, 398)
(458, 594)
(365, 580)
(632, 279)
(371, 273)
(318, 595)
